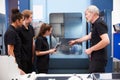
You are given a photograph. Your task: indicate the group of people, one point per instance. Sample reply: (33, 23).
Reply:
(19, 42)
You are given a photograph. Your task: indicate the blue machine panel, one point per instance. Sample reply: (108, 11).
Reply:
(116, 45)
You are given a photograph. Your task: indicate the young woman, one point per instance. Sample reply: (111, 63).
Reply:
(11, 38)
(26, 34)
(42, 48)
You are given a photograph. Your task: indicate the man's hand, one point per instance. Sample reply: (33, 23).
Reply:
(88, 51)
(72, 42)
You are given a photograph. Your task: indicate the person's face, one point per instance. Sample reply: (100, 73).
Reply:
(29, 20)
(89, 16)
(49, 32)
(20, 22)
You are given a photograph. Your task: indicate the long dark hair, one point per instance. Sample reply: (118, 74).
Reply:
(44, 27)
(16, 15)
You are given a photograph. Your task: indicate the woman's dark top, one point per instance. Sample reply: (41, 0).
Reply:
(11, 38)
(26, 36)
(42, 61)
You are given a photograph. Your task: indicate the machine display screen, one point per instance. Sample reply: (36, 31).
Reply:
(67, 27)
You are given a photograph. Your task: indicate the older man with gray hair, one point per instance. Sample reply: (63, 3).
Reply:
(99, 40)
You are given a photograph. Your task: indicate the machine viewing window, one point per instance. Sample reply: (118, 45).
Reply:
(66, 27)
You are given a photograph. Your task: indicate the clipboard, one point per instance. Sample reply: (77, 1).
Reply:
(57, 45)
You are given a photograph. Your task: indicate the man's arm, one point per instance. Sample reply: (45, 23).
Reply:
(84, 38)
(103, 43)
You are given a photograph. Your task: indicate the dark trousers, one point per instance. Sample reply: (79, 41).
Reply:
(39, 70)
(42, 64)
(97, 66)
(27, 66)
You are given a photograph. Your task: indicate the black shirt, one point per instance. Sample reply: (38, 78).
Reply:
(11, 38)
(98, 28)
(41, 44)
(26, 36)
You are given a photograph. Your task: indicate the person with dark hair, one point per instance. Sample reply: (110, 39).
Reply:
(42, 48)
(26, 34)
(11, 38)
(99, 40)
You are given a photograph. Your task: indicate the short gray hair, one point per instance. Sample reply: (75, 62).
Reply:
(93, 9)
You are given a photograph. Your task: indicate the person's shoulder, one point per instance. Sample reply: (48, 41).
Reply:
(10, 30)
(100, 21)
(30, 26)
(39, 38)
(20, 29)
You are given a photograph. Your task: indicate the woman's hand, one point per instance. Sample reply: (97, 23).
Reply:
(52, 50)
(22, 72)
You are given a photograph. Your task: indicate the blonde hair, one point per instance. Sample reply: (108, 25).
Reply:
(27, 13)
(93, 9)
